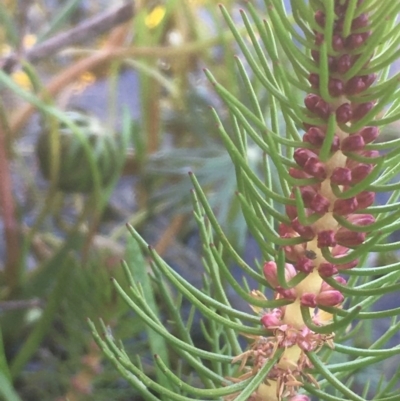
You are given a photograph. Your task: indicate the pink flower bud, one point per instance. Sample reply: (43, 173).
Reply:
(320, 18)
(291, 211)
(337, 43)
(304, 265)
(356, 40)
(308, 300)
(314, 80)
(315, 136)
(352, 143)
(335, 143)
(361, 110)
(360, 22)
(361, 219)
(340, 9)
(296, 173)
(341, 176)
(272, 319)
(319, 38)
(343, 207)
(336, 87)
(329, 298)
(326, 238)
(327, 269)
(307, 194)
(315, 168)
(344, 63)
(287, 293)
(317, 105)
(300, 397)
(360, 172)
(315, 55)
(358, 84)
(344, 113)
(305, 232)
(340, 280)
(301, 156)
(339, 250)
(349, 238)
(369, 134)
(320, 204)
(271, 274)
(365, 199)
(294, 252)
(348, 266)
(338, 26)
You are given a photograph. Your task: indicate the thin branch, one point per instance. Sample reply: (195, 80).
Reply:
(87, 30)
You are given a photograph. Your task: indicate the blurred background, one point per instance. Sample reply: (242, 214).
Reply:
(103, 112)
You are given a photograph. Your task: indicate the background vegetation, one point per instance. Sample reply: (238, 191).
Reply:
(102, 115)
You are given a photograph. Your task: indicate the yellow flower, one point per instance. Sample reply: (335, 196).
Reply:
(155, 17)
(20, 78)
(29, 41)
(85, 80)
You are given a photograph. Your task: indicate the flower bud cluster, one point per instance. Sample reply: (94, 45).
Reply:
(324, 201)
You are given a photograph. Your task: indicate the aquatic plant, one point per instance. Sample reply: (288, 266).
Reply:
(314, 214)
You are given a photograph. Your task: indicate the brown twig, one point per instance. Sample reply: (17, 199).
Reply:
(170, 233)
(70, 74)
(7, 207)
(87, 30)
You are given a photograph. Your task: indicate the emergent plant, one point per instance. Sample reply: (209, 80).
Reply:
(313, 214)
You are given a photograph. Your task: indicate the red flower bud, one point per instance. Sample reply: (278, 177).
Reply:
(348, 266)
(304, 231)
(315, 136)
(360, 172)
(329, 298)
(356, 40)
(308, 299)
(305, 265)
(337, 43)
(271, 273)
(344, 63)
(319, 38)
(320, 204)
(360, 22)
(314, 80)
(315, 168)
(361, 219)
(296, 173)
(342, 207)
(361, 110)
(301, 156)
(315, 55)
(317, 105)
(300, 397)
(369, 134)
(272, 319)
(320, 18)
(336, 87)
(326, 238)
(287, 293)
(344, 113)
(352, 143)
(291, 211)
(307, 194)
(358, 84)
(349, 238)
(327, 269)
(365, 199)
(341, 176)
